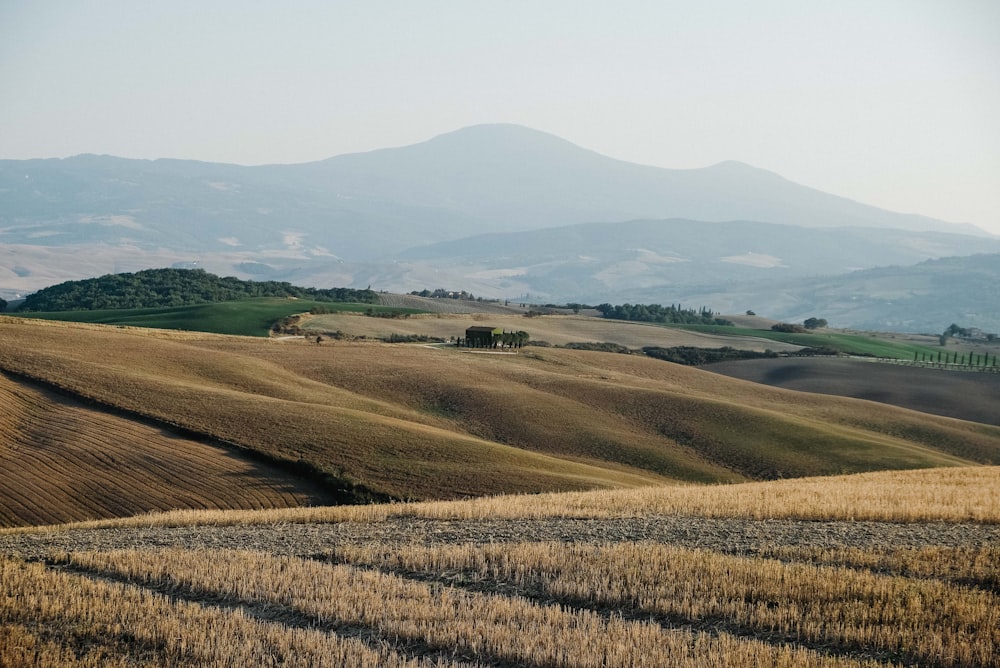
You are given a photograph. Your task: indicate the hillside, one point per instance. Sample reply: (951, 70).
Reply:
(416, 422)
(553, 329)
(925, 297)
(960, 394)
(63, 460)
(154, 288)
(666, 260)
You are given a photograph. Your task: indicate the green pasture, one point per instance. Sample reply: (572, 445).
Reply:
(850, 344)
(250, 317)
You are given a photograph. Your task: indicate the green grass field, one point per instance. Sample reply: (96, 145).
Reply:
(251, 317)
(850, 344)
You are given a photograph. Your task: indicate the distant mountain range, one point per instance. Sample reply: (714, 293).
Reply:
(499, 210)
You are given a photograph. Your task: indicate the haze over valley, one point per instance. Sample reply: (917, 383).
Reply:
(501, 211)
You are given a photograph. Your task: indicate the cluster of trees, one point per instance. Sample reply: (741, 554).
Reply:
(964, 333)
(603, 346)
(697, 356)
(173, 287)
(506, 339)
(672, 314)
(3, 305)
(788, 328)
(441, 293)
(791, 328)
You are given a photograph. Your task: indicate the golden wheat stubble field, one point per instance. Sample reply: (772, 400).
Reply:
(483, 583)
(417, 422)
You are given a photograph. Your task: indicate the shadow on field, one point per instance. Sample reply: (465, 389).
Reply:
(958, 394)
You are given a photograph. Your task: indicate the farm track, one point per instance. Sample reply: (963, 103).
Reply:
(731, 536)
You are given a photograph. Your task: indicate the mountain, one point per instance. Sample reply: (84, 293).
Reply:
(517, 179)
(350, 220)
(925, 297)
(610, 261)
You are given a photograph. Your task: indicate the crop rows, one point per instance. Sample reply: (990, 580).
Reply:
(527, 604)
(964, 494)
(823, 606)
(64, 462)
(486, 628)
(50, 618)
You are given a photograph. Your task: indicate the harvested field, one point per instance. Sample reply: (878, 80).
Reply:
(958, 394)
(645, 590)
(413, 422)
(555, 329)
(63, 461)
(433, 305)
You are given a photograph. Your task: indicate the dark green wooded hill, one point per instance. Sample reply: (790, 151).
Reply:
(173, 287)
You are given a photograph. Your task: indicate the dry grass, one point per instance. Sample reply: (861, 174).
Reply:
(50, 618)
(972, 566)
(552, 604)
(969, 494)
(419, 423)
(555, 329)
(926, 620)
(497, 628)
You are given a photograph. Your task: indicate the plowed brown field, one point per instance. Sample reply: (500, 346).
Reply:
(62, 461)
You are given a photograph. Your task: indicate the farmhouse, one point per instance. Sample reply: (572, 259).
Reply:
(493, 337)
(482, 337)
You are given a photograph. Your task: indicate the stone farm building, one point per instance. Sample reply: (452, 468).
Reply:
(493, 337)
(482, 337)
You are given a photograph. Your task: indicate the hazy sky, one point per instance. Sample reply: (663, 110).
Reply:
(894, 103)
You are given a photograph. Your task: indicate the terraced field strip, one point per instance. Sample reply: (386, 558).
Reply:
(52, 618)
(838, 609)
(62, 461)
(976, 567)
(490, 628)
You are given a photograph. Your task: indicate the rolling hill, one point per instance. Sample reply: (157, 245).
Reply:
(415, 422)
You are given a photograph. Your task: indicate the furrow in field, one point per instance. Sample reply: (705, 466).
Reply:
(62, 461)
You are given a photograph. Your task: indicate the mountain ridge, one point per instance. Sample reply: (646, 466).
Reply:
(353, 220)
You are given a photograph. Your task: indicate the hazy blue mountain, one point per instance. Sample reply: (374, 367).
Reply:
(370, 205)
(615, 261)
(350, 220)
(926, 297)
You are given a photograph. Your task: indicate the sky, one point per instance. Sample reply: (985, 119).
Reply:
(894, 103)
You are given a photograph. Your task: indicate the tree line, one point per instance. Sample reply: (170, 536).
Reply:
(153, 288)
(673, 314)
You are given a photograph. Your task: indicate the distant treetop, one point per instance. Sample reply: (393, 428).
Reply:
(173, 287)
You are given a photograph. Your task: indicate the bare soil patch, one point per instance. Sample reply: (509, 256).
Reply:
(958, 394)
(734, 536)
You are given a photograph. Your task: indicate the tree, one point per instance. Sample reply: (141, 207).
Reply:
(3, 304)
(814, 323)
